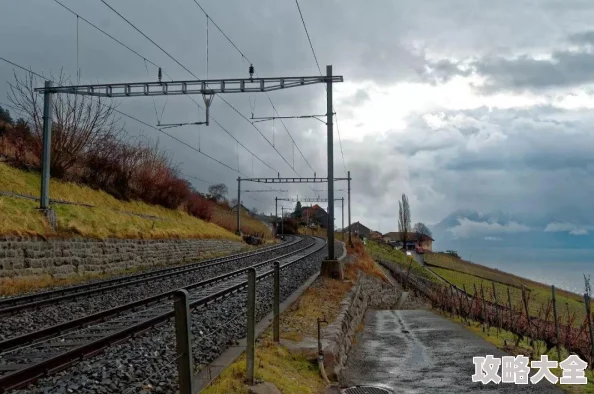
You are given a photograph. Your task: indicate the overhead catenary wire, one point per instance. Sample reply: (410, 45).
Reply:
(141, 122)
(131, 117)
(191, 73)
(145, 59)
(320, 71)
(267, 95)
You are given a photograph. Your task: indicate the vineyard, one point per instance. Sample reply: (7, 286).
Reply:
(529, 315)
(473, 277)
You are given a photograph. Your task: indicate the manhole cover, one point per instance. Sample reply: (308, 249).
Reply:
(365, 390)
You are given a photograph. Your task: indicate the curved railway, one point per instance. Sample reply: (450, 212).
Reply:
(55, 307)
(16, 304)
(26, 358)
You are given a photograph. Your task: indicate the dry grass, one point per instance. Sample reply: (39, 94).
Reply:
(504, 340)
(11, 286)
(294, 374)
(465, 274)
(291, 374)
(228, 220)
(20, 217)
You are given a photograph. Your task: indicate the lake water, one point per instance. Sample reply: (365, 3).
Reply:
(564, 268)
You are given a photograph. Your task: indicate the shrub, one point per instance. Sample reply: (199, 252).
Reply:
(199, 207)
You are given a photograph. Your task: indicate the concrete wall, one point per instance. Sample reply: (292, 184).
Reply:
(34, 256)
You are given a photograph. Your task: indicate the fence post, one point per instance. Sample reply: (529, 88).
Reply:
(498, 323)
(525, 301)
(556, 322)
(453, 299)
(276, 306)
(185, 360)
(251, 326)
(476, 296)
(511, 312)
(587, 301)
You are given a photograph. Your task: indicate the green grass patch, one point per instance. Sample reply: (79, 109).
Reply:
(383, 252)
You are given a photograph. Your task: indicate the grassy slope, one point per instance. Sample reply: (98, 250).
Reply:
(384, 252)
(466, 274)
(19, 217)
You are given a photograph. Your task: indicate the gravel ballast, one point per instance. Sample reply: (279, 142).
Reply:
(147, 363)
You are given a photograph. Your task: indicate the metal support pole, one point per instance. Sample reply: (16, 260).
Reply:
(330, 143)
(238, 205)
(276, 306)
(349, 198)
(251, 325)
(47, 146)
(276, 216)
(185, 360)
(342, 207)
(282, 222)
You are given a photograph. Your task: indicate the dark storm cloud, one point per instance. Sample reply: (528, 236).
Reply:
(518, 160)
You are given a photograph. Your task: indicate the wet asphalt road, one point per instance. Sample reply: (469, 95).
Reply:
(415, 351)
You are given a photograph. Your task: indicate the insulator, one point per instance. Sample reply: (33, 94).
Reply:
(251, 70)
(160, 74)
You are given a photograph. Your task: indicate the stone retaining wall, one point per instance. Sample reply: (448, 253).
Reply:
(34, 256)
(338, 336)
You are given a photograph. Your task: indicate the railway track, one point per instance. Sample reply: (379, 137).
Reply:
(17, 304)
(26, 358)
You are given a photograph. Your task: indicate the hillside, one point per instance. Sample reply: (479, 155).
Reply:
(107, 217)
(495, 284)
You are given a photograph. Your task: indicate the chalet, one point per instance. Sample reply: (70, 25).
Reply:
(414, 241)
(358, 229)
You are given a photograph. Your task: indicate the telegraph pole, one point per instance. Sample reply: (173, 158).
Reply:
(238, 232)
(275, 215)
(342, 207)
(349, 198)
(47, 140)
(282, 222)
(330, 144)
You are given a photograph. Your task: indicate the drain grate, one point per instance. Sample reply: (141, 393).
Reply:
(366, 390)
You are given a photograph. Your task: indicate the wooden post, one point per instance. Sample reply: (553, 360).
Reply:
(185, 360)
(556, 322)
(525, 301)
(476, 297)
(587, 301)
(466, 298)
(498, 323)
(511, 312)
(485, 318)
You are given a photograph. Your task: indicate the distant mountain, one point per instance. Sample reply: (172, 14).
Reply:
(464, 229)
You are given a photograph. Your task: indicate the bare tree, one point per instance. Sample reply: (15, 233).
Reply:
(218, 191)
(404, 218)
(422, 229)
(78, 122)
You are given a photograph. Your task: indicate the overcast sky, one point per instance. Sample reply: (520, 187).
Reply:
(481, 105)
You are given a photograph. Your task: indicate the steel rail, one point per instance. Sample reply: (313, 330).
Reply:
(17, 304)
(58, 362)
(53, 331)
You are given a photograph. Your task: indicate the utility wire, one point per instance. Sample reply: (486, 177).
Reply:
(320, 71)
(133, 118)
(146, 60)
(267, 95)
(194, 75)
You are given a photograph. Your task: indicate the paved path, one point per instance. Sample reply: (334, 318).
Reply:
(415, 351)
